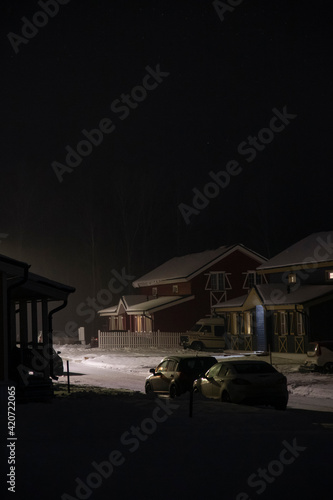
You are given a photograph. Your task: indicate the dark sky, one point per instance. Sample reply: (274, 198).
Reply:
(220, 81)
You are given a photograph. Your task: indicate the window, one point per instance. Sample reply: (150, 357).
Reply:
(214, 370)
(283, 320)
(252, 278)
(329, 275)
(154, 291)
(172, 365)
(163, 366)
(281, 323)
(174, 288)
(224, 370)
(217, 282)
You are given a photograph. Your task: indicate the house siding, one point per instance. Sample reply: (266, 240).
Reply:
(166, 290)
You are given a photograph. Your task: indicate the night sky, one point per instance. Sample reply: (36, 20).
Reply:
(180, 89)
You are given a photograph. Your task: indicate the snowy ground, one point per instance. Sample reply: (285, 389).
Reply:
(62, 444)
(128, 369)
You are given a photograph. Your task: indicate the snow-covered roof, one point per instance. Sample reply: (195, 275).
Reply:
(186, 267)
(236, 302)
(275, 294)
(315, 248)
(140, 304)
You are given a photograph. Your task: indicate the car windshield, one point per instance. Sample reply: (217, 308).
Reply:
(195, 328)
(245, 368)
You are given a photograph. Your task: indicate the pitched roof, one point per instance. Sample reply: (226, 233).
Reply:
(137, 304)
(276, 294)
(315, 248)
(186, 267)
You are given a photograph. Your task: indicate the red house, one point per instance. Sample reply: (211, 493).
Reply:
(173, 296)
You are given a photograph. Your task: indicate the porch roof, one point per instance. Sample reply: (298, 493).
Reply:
(27, 285)
(136, 305)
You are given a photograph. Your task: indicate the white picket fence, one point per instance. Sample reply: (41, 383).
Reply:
(118, 340)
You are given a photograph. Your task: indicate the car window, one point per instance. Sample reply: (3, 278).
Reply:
(253, 368)
(162, 367)
(224, 370)
(172, 365)
(214, 370)
(195, 328)
(206, 328)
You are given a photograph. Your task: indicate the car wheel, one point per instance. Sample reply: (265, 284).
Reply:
(328, 368)
(225, 397)
(148, 388)
(197, 346)
(173, 391)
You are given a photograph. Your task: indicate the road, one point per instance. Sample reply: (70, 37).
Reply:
(85, 374)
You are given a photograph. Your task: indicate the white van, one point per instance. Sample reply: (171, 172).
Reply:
(320, 356)
(207, 333)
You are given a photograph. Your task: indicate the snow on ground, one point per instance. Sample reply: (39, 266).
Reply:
(128, 368)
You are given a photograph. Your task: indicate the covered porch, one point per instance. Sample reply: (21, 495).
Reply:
(135, 313)
(27, 359)
(271, 317)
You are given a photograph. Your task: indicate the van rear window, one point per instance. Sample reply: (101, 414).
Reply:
(312, 346)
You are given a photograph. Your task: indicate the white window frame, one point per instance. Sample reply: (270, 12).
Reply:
(226, 282)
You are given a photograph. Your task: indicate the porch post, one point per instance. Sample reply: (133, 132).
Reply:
(45, 330)
(261, 331)
(3, 330)
(34, 323)
(23, 324)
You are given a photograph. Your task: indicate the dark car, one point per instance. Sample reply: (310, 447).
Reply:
(176, 374)
(38, 358)
(244, 381)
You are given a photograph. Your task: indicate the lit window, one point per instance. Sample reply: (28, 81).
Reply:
(154, 291)
(329, 275)
(174, 288)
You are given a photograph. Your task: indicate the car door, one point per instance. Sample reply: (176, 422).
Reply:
(159, 381)
(208, 382)
(218, 381)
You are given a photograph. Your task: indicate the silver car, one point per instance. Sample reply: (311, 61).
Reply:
(244, 381)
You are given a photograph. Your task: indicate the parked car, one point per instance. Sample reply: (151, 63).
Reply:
(176, 374)
(207, 333)
(244, 381)
(37, 359)
(319, 356)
